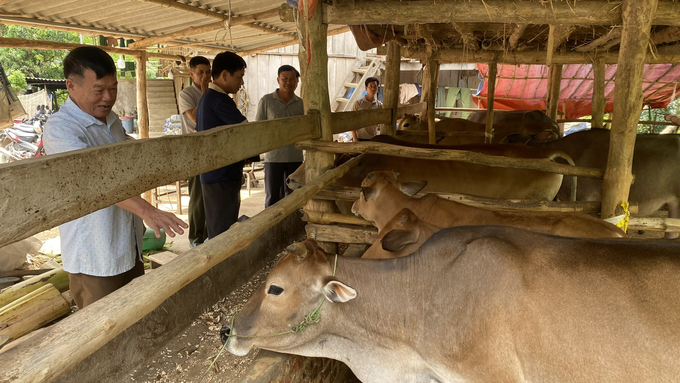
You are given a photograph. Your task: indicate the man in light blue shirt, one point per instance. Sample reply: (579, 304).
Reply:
(101, 251)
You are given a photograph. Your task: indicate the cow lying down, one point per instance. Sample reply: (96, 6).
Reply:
(478, 304)
(382, 197)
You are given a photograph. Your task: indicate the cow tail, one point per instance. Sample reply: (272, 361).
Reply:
(570, 161)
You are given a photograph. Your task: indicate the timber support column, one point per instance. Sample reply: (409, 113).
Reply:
(599, 102)
(554, 87)
(142, 106)
(637, 20)
(488, 133)
(429, 94)
(392, 76)
(315, 80)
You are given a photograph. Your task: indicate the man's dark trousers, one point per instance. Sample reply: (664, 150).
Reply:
(275, 175)
(222, 201)
(198, 231)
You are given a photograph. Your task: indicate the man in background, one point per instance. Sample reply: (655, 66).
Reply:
(199, 70)
(281, 162)
(369, 101)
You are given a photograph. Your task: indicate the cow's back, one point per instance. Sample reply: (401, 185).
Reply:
(560, 305)
(655, 159)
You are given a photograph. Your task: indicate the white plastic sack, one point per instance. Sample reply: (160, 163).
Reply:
(14, 255)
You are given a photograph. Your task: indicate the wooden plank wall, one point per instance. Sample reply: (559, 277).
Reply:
(261, 73)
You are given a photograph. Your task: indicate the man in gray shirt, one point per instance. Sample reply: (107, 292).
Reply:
(188, 102)
(281, 162)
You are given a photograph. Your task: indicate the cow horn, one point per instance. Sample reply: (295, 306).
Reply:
(298, 249)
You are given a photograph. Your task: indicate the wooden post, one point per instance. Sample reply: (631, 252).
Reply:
(599, 102)
(488, 133)
(142, 106)
(637, 20)
(315, 61)
(392, 76)
(554, 87)
(429, 94)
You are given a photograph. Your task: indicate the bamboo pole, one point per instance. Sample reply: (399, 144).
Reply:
(488, 132)
(637, 20)
(317, 98)
(599, 102)
(186, 8)
(56, 277)
(391, 97)
(429, 95)
(142, 108)
(554, 87)
(89, 329)
(544, 165)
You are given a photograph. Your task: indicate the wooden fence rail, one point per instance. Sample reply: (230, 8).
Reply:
(41, 193)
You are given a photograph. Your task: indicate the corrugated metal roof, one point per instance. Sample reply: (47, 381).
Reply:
(142, 19)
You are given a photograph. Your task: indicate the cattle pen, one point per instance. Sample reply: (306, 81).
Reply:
(92, 345)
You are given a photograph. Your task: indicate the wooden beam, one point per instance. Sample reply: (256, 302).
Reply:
(665, 55)
(599, 102)
(666, 35)
(488, 131)
(544, 165)
(469, 39)
(344, 193)
(142, 104)
(429, 94)
(637, 21)
(556, 36)
(391, 97)
(103, 180)
(286, 43)
(585, 12)
(325, 218)
(614, 34)
(102, 321)
(554, 90)
(516, 34)
(317, 98)
(342, 234)
(172, 4)
(346, 121)
(216, 26)
(7, 42)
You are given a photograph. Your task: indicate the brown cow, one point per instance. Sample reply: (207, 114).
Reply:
(477, 304)
(382, 196)
(458, 131)
(401, 236)
(460, 177)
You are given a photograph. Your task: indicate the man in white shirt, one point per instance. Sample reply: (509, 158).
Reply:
(200, 73)
(101, 251)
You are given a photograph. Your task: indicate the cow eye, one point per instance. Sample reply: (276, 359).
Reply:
(275, 290)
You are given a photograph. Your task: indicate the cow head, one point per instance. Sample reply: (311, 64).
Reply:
(410, 122)
(375, 186)
(301, 280)
(296, 179)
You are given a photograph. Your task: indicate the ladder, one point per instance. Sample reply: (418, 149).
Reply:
(355, 80)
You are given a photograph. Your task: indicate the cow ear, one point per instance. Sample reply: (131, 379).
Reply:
(338, 292)
(412, 188)
(396, 240)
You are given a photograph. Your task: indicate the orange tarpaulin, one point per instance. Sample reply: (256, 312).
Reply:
(524, 87)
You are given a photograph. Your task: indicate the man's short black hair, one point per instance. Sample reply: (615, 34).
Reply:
(83, 58)
(198, 60)
(370, 80)
(229, 61)
(288, 68)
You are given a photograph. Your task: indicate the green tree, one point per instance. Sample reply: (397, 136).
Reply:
(18, 81)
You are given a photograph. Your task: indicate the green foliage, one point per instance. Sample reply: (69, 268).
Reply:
(18, 81)
(657, 115)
